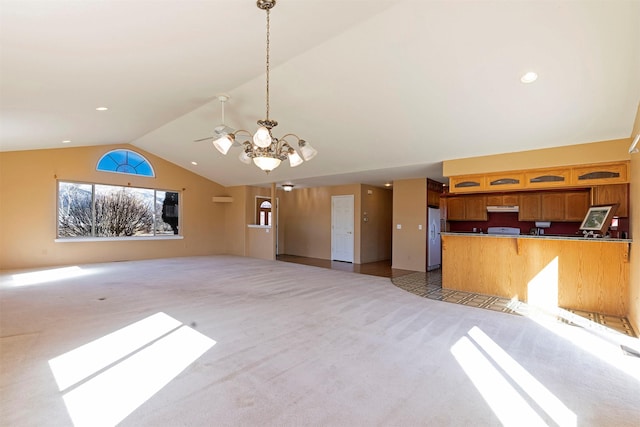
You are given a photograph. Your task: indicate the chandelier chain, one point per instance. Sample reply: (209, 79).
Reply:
(268, 31)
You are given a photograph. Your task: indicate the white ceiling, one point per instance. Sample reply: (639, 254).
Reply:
(383, 89)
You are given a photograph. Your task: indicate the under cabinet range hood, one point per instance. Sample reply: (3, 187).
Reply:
(503, 209)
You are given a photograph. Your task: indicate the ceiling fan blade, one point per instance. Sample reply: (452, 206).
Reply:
(221, 129)
(203, 139)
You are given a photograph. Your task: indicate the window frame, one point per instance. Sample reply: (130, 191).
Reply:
(94, 238)
(144, 161)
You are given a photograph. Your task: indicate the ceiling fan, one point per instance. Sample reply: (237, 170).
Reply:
(222, 129)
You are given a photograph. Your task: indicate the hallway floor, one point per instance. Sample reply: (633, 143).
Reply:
(429, 285)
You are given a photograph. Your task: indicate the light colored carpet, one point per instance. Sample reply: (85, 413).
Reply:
(296, 345)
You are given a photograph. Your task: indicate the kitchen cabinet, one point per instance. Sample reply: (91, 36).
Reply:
(570, 206)
(502, 200)
(576, 205)
(455, 209)
(559, 206)
(466, 184)
(612, 194)
(467, 208)
(553, 206)
(547, 178)
(578, 176)
(604, 173)
(530, 208)
(504, 181)
(434, 189)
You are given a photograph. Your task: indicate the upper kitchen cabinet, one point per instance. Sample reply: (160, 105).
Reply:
(611, 195)
(603, 173)
(553, 206)
(467, 208)
(561, 206)
(466, 184)
(530, 207)
(504, 181)
(434, 189)
(502, 199)
(578, 176)
(576, 205)
(547, 178)
(565, 206)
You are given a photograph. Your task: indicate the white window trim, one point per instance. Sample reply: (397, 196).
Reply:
(117, 239)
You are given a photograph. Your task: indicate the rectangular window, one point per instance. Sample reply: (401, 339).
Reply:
(96, 210)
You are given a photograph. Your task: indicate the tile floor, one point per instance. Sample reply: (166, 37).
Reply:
(429, 285)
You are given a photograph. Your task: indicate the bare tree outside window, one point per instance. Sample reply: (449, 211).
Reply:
(75, 213)
(123, 211)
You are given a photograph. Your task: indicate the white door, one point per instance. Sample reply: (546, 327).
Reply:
(342, 228)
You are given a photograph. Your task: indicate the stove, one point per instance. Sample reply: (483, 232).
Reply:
(505, 231)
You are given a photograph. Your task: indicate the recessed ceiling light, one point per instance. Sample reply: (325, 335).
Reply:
(194, 163)
(66, 141)
(102, 108)
(529, 77)
(388, 184)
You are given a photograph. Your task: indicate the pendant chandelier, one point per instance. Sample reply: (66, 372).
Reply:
(263, 148)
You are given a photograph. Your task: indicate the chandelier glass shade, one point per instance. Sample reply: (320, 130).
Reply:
(266, 150)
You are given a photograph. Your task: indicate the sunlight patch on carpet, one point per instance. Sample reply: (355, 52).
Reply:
(553, 406)
(45, 276)
(119, 372)
(503, 399)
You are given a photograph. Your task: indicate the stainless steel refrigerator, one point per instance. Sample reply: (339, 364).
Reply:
(434, 247)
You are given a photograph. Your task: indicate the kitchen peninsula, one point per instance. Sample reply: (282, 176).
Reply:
(590, 274)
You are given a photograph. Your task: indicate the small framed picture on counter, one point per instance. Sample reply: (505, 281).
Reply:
(598, 218)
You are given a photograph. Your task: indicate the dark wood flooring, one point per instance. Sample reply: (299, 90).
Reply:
(380, 268)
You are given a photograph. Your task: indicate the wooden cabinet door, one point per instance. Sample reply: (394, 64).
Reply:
(509, 200)
(576, 205)
(547, 178)
(553, 206)
(475, 208)
(433, 199)
(502, 199)
(529, 207)
(604, 173)
(494, 200)
(504, 181)
(613, 194)
(455, 209)
(466, 184)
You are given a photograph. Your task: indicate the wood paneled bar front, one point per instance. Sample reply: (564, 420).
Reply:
(589, 274)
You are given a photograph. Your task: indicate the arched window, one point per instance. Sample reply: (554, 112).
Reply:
(263, 214)
(125, 161)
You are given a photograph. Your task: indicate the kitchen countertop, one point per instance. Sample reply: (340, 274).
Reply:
(544, 236)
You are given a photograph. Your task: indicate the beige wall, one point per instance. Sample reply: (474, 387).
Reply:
(375, 235)
(634, 215)
(305, 219)
(28, 183)
(410, 211)
(595, 152)
(235, 217)
(239, 213)
(260, 242)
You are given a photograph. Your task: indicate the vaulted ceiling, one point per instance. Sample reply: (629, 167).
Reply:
(383, 89)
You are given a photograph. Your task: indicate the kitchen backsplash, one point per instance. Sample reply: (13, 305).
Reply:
(510, 219)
